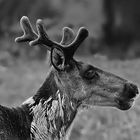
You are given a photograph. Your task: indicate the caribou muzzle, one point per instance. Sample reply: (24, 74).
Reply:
(127, 97)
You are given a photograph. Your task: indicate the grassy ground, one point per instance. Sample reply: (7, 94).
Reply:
(21, 81)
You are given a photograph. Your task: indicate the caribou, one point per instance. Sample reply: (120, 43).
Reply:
(70, 86)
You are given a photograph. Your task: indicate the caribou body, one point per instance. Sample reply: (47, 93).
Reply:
(69, 85)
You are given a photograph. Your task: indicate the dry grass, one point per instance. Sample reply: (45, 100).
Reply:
(20, 82)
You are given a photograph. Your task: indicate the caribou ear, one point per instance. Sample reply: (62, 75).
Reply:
(58, 59)
(68, 36)
(57, 55)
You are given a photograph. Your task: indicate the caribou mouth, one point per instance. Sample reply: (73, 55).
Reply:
(125, 104)
(128, 96)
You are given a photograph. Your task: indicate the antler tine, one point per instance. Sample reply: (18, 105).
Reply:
(28, 32)
(67, 36)
(80, 37)
(42, 37)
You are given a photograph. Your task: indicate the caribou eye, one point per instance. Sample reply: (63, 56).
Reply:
(90, 74)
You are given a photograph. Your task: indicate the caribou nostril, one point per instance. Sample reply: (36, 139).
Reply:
(131, 90)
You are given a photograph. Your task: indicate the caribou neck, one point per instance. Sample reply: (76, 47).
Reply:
(52, 111)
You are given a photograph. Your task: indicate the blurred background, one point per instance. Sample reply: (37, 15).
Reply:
(113, 45)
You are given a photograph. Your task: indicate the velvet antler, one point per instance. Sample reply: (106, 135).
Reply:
(28, 33)
(41, 38)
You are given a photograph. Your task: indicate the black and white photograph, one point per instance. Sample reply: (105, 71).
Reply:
(69, 70)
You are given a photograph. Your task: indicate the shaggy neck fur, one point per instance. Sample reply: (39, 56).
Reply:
(52, 112)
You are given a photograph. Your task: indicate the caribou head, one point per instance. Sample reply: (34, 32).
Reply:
(82, 83)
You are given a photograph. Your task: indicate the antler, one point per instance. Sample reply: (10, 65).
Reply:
(28, 33)
(41, 37)
(68, 36)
